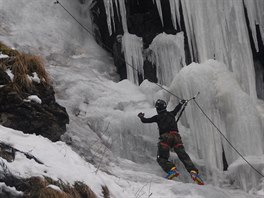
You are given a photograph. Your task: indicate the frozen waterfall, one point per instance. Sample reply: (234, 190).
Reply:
(215, 29)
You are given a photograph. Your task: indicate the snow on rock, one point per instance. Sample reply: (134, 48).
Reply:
(10, 190)
(10, 74)
(60, 162)
(34, 98)
(35, 77)
(168, 55)
(57, 188)
(128, 179)
(2, 56)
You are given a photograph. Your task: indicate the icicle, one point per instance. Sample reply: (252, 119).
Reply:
(252, 15)
(121, 10)
(255, 11)
(177, 4)
(188, 27)
(175, 13)
(122, 7)
(168, 56)
(132, 47)
(158, 3)
(217, 29)
(108, 9)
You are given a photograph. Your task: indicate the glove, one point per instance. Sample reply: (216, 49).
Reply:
(141, 115)
(183, 102)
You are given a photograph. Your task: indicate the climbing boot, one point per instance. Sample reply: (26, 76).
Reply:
(196, 178)
(173, 173)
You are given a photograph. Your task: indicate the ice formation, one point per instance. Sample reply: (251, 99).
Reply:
(93, 102)
(168, 55)
(132, 47)
(216, 30)
(109, 9)
(227, 105)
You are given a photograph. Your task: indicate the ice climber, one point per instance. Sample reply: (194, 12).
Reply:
(170, 138)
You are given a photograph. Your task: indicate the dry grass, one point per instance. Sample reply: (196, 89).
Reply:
(38, 188)
(20, 71)
(7, 50)
(105, 192)
(49, 193)
(22, 66)
(36, 64)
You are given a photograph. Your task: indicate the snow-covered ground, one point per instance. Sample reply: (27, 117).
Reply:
(109, 145)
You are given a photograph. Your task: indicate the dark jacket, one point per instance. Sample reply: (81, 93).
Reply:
(165, 120)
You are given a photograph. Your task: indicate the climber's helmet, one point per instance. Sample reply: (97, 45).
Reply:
(160, 105)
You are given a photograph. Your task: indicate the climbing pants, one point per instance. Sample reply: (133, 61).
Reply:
(173, 140)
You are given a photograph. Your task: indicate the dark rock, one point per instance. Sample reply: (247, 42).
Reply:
(7, 152)
(4, 78)
(48, 119)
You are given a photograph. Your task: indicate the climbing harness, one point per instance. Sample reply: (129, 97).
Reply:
(162, 87)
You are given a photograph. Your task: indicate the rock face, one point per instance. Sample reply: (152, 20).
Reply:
(48, 119)
(29, 106)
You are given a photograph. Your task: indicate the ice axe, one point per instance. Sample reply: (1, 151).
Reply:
(185, 104)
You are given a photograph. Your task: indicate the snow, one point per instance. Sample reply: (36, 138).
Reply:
(59, 158)
(11, 190)
(54, 187)
(35, 77)
(248, 178)
(10, 74)
(34, 98)
(106, 142)
(2, 56)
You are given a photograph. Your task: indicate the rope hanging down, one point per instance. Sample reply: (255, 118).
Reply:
(106, 47)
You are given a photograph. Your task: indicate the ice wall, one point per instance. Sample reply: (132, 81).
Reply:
(168, 55)
(229, 107)
(132, 46)
(217, 29)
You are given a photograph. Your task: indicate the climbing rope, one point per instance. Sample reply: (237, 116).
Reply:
(109, 49)
(210, 120)
(162, 87)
